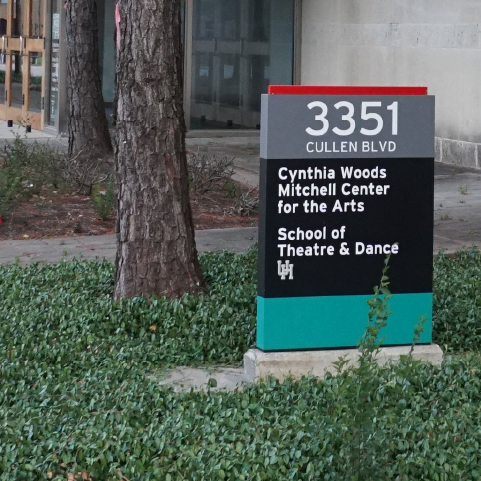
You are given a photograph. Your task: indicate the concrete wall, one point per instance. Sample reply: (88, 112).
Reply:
(434, 43)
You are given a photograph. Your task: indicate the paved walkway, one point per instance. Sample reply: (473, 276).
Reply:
(10, 133)
(103, 246)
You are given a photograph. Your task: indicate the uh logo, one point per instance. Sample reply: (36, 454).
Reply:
(285, 270)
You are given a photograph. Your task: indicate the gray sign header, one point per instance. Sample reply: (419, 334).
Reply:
(347, 126)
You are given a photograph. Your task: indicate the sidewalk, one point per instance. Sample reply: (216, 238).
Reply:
(457, 205)
(104, 246)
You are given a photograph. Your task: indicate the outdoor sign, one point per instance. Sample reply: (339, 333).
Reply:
(347, 177)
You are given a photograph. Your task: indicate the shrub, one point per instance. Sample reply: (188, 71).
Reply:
(78, 392)
(25, 169)
(79, 397)
(103, 200)
(69, 354)
(10, 186)
(457, 301)
(83, 172)
(207, 170)
(114, 423)
(217, 327)
(246, 201)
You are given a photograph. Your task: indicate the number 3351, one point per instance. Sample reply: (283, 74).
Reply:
(367, 113)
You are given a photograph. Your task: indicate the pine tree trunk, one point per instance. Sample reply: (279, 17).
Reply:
(156, 253)
(87, 124)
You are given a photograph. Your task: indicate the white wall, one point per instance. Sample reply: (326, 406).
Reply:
(433, 43)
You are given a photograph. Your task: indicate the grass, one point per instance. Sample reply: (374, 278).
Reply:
(76, 397)
(457, 301)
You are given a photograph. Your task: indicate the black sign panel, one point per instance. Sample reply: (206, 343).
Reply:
(335, 222)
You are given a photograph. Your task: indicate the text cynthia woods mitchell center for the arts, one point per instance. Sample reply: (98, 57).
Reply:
(327, 198)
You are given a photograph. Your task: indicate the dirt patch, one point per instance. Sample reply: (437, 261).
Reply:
(55, 215)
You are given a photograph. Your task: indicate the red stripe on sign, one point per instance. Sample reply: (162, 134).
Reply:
(313, 90)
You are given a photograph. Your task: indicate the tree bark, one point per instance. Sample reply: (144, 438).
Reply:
(156, 253)
(88, 129)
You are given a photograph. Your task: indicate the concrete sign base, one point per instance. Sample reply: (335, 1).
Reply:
(259, 364)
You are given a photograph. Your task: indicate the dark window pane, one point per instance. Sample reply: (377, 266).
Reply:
(36, 19)
(35, 85)
(17, 27)
(17, 81)
(229, 80)
(203, 77)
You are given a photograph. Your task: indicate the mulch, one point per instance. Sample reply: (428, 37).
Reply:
(60, 215)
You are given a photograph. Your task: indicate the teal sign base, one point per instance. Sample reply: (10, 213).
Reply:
(337, 321)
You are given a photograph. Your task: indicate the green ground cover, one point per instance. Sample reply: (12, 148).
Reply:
(75, 397)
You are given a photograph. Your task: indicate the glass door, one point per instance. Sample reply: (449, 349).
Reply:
(238, 48)
(22, 61)
(216, 62)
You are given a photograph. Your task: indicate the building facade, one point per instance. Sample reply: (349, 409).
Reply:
(235, 48)
(432, 43)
